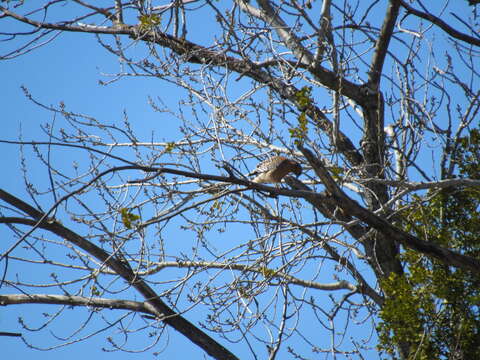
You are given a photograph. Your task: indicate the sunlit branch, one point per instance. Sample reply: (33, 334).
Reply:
(269, 273)
(382, 44)
(15, 299)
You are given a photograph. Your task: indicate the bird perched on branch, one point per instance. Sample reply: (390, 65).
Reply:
(273, 170)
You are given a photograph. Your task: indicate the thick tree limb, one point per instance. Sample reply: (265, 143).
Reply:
(324, 203)
(383, 41)
(351, 207)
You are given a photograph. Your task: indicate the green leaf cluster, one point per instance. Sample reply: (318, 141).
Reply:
(149, 21)
(128, 219)
(467, 156)
(304, 97)
(401, 314)
(170, 147)
(268, 273)
(304, 100)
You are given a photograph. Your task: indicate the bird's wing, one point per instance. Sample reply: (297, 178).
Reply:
(269, 164)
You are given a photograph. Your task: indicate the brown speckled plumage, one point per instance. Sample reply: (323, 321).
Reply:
(273, 170)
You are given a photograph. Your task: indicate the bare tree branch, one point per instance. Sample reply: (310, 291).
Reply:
(351, 207)
(15, 299)
(441, 24)
(381, 46)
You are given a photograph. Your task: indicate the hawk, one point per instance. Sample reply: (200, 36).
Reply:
(273, 170)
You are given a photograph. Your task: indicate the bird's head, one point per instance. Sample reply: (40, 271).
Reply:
(296, 168)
